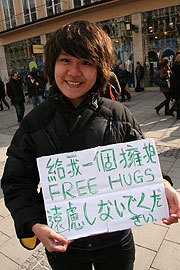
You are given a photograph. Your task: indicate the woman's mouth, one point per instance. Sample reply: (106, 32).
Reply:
(73, 83)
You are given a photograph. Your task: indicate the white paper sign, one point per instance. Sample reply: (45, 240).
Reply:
(103, 189)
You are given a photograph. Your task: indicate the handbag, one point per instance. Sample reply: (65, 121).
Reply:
(160, 82)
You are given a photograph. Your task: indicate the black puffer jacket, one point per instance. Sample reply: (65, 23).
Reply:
(15, 91)
(43, 132)
(33, 89)
(175, 81)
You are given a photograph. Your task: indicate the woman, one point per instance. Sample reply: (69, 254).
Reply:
(78, 60)
(165, 76)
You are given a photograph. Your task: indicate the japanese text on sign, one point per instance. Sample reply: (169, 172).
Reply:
(103, 189)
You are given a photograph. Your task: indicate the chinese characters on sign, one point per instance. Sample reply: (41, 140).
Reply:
(103, 189)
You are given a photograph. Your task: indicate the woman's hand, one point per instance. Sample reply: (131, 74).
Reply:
(50, 239)
(173, 199)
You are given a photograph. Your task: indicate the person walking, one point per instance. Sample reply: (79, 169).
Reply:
(78, 60)
(164, 75)
(123, 80)
(139, 72)
(35, 88)
(116, 69)
(16, 95)
(2, 95)
(175, 87)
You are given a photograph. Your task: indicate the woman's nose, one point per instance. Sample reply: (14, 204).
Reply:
(74, 70)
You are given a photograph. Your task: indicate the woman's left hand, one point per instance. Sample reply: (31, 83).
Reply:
(173, 200)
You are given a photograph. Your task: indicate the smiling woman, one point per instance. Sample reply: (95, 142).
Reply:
(74, 76)
(81, 40)
(78, 61)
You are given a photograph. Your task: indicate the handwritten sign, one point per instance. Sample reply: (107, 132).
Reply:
(103, 189)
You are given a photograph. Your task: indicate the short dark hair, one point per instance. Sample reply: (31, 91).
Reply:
(164, 63)
(85, 40)
(13, 73)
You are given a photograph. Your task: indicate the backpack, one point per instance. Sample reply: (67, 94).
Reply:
(160, 82)
(110, 92)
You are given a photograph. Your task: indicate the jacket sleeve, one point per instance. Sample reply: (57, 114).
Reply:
(132, 128)
(20, 185)
(163, 74)
(8, 90)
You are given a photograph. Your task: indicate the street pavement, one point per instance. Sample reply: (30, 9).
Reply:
(157, 245)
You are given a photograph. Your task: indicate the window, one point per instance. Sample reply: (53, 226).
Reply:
(79, 3)
(52, 7)
(29, 10)
(9, 14)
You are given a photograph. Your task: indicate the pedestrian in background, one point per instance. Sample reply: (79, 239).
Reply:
(116, 69)
(16, 95)
(35, 88)
(2, 95)
(164, 75)
(139, 72)
(123, 76)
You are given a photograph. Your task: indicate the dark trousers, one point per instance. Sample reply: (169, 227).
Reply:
(124, 93)
(117, 257)
(138, 85)
(5, 102)
(20, 109)
(176, 107)
(164, 103)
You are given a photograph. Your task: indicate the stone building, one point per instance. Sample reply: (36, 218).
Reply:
(141, 30)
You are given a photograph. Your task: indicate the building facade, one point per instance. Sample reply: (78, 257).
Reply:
(141, 30)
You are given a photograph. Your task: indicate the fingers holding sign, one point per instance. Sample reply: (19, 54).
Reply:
(173, 200)
(50, 239)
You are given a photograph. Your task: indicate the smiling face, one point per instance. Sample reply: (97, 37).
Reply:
(74, 76)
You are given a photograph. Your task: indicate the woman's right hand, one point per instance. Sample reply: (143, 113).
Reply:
(50, 239)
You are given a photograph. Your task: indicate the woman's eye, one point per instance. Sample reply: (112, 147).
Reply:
(86, 63)
(63, 60)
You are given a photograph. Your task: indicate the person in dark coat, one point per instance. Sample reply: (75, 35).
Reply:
(78, 60)
(175, 86)
(123, 76)
(16, 95)
(2, 95)
(165, 76)
(139, 72)
(35, 88)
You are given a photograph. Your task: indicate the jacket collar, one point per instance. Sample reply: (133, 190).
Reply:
(62, 103)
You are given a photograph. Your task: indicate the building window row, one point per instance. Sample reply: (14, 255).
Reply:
(9, 14)
(29, 10)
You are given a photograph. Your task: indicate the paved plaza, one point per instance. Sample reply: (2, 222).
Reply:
(157, 245)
